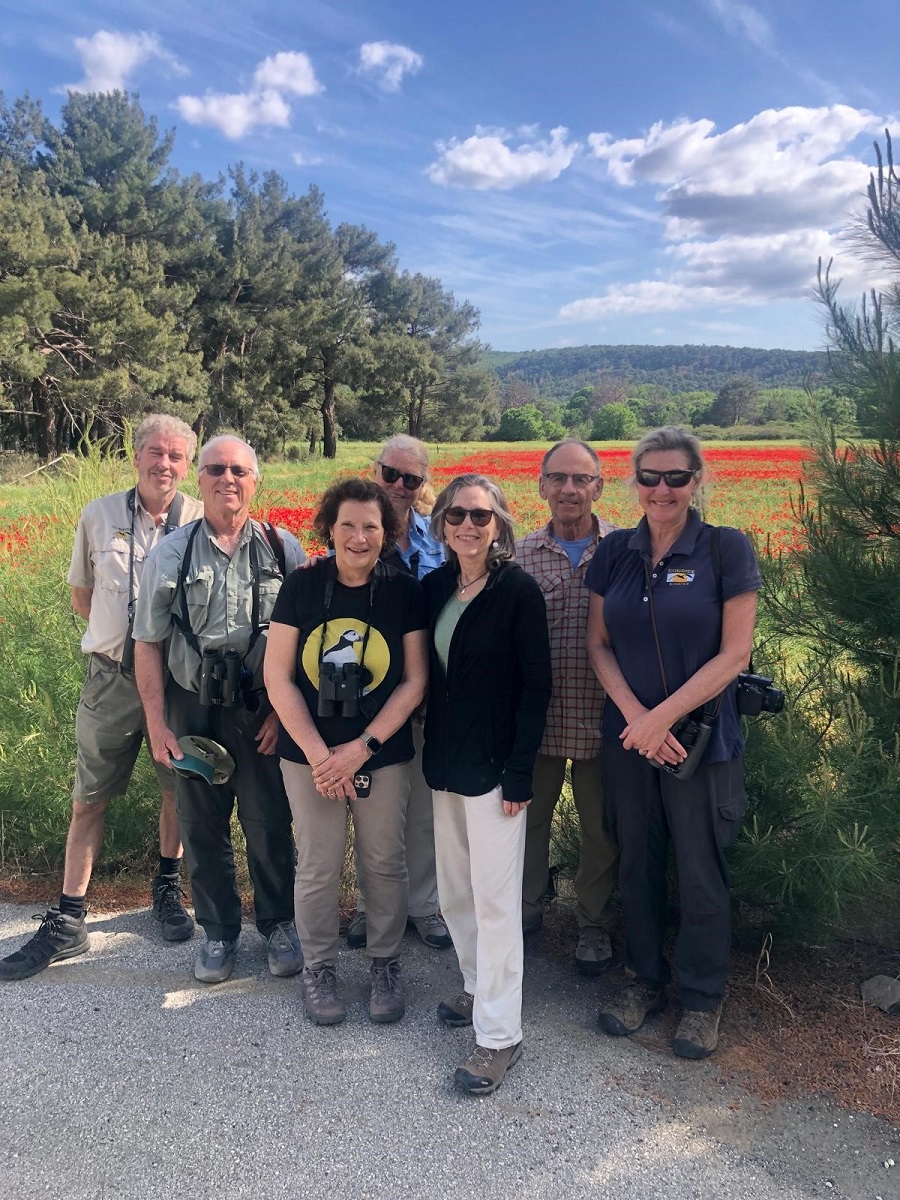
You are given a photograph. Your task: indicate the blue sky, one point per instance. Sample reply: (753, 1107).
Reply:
(583, 172)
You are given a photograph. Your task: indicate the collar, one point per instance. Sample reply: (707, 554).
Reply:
(599, 528)
(246, 534)
(685, 543)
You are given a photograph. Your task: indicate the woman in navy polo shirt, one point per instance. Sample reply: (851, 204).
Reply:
(704, 613)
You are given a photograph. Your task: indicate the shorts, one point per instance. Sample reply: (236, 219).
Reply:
(109, 729)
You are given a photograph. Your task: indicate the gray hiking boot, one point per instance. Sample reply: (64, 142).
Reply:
(457, 1010)
(356, 932)
(627, 1012)
(386, 1002)
(484, 1070)
(324, 1004)
(215, 962)
(593, 953)
(697, 1034)
(283, 949)
(175, 922)
(433, 932)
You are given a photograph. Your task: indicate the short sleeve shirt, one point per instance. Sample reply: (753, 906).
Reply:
(425, 553)
(395, 607)
(100, 560)
(218, 588)
(688, 615)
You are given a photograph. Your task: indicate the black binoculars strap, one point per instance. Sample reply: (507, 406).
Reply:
(329, 596)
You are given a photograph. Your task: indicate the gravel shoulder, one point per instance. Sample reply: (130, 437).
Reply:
(123, 1077)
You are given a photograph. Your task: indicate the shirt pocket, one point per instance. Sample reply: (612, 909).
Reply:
(269, 587)
(111, 565)
(553, 588)
(198, 588)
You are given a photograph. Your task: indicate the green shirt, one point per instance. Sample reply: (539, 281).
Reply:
(446, 623)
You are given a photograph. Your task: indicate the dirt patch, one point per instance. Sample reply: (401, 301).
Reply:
(794, 1024)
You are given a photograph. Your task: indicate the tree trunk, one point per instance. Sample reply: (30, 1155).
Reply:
(418, 414)
(43, 406)
(329, 420)
(312, 439)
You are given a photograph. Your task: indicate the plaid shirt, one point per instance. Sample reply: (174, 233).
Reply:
(573, 718)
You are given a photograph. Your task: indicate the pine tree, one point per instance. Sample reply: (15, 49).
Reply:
(827, 781)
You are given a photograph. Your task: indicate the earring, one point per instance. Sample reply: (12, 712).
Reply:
(495, 545)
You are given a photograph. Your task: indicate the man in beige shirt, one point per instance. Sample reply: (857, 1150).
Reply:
(114, 536)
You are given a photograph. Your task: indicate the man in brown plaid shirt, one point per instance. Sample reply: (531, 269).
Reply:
(557, 556)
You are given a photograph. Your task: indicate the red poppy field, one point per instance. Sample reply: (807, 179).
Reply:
(751, 488)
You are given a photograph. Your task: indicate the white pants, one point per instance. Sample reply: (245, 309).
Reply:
(423, 890)
(480, 857)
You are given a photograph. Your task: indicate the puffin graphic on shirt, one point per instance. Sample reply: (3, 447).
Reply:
(343, 642)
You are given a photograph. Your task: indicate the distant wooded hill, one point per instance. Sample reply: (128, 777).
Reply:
(557, 373)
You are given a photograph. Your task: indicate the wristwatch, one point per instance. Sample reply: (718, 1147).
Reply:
(371, 743)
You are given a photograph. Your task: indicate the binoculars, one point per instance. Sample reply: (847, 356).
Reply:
(220, 679)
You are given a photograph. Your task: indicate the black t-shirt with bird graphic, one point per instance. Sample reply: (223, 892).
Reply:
(395, 607)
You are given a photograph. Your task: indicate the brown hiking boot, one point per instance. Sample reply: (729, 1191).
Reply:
(484, 1070)
(697, 1034)
(324, 1003)
(457, 1011)
(627, 1012)
(386, 1002)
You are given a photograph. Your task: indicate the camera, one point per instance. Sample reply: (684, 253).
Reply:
(220, 679)
(755, 695)
(340, 689)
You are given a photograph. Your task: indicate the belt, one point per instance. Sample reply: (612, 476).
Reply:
(111, 664)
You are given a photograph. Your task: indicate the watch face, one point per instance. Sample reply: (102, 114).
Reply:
(373, 743)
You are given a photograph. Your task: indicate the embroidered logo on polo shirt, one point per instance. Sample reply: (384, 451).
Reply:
(679, 576)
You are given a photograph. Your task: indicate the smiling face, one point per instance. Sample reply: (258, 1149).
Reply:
(357, 536)
(226, 498)
(471, 542)
(161, 464)
(666, 507)
(570, 504)
(400, 496)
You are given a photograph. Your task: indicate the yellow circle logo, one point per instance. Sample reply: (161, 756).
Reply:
(343, 643)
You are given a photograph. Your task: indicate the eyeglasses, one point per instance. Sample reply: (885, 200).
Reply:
(558, 479)
(479, 516)
(674, 479)
(410, 481)
(217, 470)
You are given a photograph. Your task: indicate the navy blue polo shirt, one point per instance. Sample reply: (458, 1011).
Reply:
(688, 615)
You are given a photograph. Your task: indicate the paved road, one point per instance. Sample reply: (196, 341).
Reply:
(122, 1077)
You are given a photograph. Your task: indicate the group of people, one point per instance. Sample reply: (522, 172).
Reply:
(432, 678)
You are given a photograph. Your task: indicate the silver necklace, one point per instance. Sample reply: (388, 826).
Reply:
(463, 588)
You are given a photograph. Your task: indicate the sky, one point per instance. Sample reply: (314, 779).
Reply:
(582, 171)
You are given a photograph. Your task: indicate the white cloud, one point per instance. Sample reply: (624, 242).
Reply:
(300, 159)
(485, 160)
(108, 58)
(289, 71)
(747, 212)
(745, 21)
(235, 113)
(388, 62)
(264, 106)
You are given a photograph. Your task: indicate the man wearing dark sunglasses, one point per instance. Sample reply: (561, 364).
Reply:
(204, 609)
(401, 470)
(557, 555)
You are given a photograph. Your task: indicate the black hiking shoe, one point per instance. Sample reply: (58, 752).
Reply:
(176, 923)
(60, 936)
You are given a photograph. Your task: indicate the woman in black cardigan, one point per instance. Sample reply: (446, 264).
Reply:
(491, 683)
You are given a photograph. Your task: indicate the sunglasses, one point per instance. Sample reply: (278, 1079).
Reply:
(674, 479)
(479, 516)
(558, 479)
(217, 470)
(410, 482)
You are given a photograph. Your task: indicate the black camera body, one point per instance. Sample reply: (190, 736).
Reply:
(220, 679)
(340, 689)
(755, 695)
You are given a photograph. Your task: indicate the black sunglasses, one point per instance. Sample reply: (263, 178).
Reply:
(480, 516)
(410, 481)
(674, 479)
(219, 469)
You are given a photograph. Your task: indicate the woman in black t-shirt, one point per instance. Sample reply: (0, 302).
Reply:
(346, 665)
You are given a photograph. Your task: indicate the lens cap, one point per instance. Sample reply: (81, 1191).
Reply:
(203, 759)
